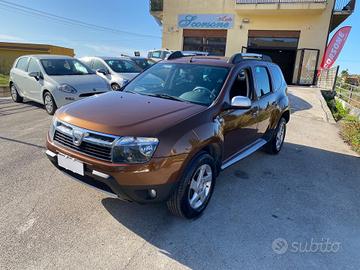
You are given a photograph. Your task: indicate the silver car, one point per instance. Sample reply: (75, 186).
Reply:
(53, 80)
(118, 71)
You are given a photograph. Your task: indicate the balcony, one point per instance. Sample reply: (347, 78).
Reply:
(156, 10)
(272, 5)
(342, 10)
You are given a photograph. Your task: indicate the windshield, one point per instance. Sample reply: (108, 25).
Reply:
(123, 66)
(59, 67)
(199, 84)
(143, 62)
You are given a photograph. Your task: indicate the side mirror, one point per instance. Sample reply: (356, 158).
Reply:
(37, 75)
(102, 71)
(240, 102)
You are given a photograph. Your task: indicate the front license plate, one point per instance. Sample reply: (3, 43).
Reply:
(70, 164)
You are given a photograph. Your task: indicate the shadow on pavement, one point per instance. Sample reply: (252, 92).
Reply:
(8, 107)
(22, 142)
(300, 194)
(298, 104)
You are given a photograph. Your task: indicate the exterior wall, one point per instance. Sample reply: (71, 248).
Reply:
(10, 51)
(313, 23)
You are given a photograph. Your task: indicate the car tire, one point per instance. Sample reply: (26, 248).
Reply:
(115, 87)
(195, 188)
(49, 102)
(15, 94)
(275, 144)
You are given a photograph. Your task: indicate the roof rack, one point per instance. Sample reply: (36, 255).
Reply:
(179, 54)
(238, 57)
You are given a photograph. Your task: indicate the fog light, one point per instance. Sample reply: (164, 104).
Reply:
(152, 193)
(100, 174)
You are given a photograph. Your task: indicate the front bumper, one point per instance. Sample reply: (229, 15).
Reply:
(128, 182)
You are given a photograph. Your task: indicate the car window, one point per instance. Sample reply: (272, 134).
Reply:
(22, 63)
(62, 67)
(277, 76)
(33, 66)
(262, 81)
(241, 85)
(97, 64)
(123, 66)
(198, 84)
(155, 54)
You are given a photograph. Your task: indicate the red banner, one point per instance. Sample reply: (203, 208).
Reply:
(334, 48)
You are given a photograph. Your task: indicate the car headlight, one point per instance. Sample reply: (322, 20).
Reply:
(67, 88)
(134, 149)
(52, 128)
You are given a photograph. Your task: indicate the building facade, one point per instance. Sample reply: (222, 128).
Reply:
(293, 33)
(10, 51)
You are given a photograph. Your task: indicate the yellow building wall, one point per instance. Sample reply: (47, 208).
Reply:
(312, 22)
(10, 51)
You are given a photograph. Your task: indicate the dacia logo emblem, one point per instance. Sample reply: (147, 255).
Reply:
(78, 136)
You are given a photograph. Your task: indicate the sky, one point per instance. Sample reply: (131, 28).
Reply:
(124, 15)
(130, 16)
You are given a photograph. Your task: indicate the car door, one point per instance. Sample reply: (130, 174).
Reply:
(34, 85)
(265, 97)
(240, 125)
(19, 75)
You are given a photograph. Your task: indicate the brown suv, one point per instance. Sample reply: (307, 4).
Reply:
(168, 133)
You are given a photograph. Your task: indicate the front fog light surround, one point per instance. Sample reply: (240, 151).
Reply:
(52, 128)
(134, 149)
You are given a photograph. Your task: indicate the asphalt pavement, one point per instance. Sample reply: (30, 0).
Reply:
(297, 210)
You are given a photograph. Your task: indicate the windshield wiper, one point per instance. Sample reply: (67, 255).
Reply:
(166, 96)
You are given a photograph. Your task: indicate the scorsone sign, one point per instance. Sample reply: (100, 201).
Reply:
(206, 21)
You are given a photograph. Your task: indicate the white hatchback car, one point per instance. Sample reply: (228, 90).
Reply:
(118, 71)
(53, 80)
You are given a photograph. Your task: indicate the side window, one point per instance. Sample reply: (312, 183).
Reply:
(241, 86)
(33, 66)
(22, 63)
(262, 81)
(97, 64)
(277, 76)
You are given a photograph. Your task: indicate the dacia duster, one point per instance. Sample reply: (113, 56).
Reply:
(168, 133)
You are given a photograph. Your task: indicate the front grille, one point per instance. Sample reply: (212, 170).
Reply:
(90, 94)
(93, 145)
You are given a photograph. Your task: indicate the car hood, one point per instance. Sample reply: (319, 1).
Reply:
(127, 114)
(83, 82)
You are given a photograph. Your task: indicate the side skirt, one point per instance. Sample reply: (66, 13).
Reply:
(243, 153)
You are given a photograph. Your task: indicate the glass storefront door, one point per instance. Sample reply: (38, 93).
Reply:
(211, 41)
(306, 66)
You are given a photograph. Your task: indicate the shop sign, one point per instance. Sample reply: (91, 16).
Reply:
(206, 21)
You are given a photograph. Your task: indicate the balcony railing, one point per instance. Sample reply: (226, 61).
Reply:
(156, 5)
(240, 2)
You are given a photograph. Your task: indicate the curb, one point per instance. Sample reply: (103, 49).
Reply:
(324, 106)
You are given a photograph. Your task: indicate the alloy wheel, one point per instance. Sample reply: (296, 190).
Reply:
(200, 186)
(49, 105)
(280, 136)
(13, 92)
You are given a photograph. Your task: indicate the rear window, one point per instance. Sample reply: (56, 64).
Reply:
(22, 63)
(277, 77)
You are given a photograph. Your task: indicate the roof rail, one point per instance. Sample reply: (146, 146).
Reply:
(238, 57)
(179, 54)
